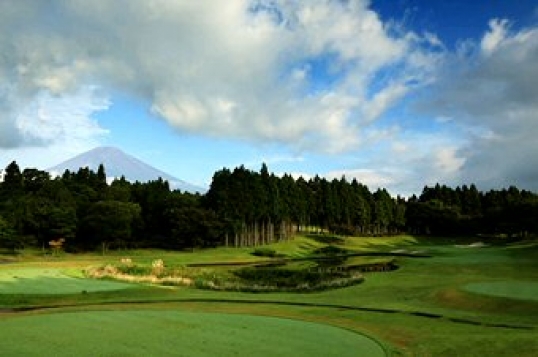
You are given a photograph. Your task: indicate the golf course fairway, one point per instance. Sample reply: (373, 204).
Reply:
(51, 281)
(178, 333)
(520, 290)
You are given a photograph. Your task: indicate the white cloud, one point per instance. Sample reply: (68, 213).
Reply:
(314, 76)
(50, 119)
(447, 160)
(492, 95)
(374, 179)
(402, 163)
(384, 100)
(56, 128)
(239, 69)
(493, 38)
(433, 40)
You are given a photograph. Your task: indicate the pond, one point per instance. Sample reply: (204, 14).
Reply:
(298, 275)
(342, 263)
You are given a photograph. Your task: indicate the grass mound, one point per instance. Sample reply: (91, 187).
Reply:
(51, 281)
(266, 252)
(326, 238)
(165, 333)
(520, 290)
(330, 250)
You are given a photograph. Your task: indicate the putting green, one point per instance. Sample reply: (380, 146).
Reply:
(166, 333)
(50, 281)
(521, 290)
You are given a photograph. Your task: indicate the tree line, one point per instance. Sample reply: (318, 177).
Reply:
(441, 210)
(259, 207)
(241, 208)
(88, 213)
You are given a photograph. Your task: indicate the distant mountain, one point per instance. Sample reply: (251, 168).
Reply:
(117, 164)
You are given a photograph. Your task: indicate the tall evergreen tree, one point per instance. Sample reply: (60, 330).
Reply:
(12, 186)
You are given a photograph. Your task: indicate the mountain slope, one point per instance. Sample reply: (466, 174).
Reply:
(118, 163)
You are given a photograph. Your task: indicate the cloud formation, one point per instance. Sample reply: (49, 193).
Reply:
(491, 93)
(319, 77)
(406, 162)
(299, 73)
(49, 128)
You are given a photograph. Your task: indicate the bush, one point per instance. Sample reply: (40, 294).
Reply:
(343, 229)
(265, 252)
(134, 270)
(331, 250)
(265, 280)
(278, 277)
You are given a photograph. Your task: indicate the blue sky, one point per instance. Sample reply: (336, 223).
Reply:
(396, 93)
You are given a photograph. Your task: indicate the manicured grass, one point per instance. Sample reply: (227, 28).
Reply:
(379, 243)
(299, 247)
(164, 333)
(51, 281)
(427, 307)
(521, 290)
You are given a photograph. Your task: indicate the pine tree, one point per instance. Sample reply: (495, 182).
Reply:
(12, 186)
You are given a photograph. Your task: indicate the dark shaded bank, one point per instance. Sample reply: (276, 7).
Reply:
(282, 303)
(314, 258)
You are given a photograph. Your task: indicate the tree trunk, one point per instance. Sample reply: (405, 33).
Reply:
(104, 247)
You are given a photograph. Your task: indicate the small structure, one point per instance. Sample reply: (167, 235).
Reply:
(56, 245)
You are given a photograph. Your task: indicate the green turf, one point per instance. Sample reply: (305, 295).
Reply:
(51, 281)
(427, 307)
(165, 333)
(521, 290)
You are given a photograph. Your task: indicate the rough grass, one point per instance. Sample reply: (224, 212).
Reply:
(164, 333)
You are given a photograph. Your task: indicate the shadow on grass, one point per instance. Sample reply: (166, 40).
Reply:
(326, 239)
(421, 314)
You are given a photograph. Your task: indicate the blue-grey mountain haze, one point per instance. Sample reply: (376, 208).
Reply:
(117, 163)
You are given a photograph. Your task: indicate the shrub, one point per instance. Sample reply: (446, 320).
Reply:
(343, 229)
(286, 278)
(258, 280)
(330, 250)
(133, 270)
(265, 252)
(158, 267)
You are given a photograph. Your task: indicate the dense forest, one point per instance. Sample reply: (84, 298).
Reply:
(241, 208)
